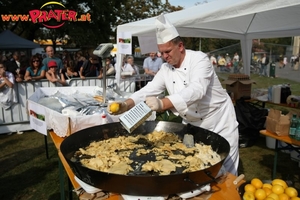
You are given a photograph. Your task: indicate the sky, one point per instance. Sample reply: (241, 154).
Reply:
(186, 3)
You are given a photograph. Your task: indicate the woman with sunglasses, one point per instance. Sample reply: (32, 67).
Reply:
(36, 71)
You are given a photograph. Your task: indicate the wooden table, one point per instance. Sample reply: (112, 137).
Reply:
(221, 190)
(290, 142)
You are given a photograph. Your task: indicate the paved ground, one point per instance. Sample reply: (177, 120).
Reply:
(288, 73)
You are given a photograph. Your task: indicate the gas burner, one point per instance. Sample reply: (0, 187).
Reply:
(130, 197)
(193, 193)
(180, 196)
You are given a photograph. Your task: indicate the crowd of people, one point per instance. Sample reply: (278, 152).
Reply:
(225, 63)
(61, 68)
(54, 67)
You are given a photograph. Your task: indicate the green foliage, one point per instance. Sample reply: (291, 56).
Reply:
(277, 46)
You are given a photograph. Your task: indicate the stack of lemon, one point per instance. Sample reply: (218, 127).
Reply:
(276, 190)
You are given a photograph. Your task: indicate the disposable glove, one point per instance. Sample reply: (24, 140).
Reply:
(154, 103)
(116, 108)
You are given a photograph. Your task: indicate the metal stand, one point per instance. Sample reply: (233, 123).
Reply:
(46, 146)
(104, 80)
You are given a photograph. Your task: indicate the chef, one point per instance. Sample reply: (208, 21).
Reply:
(194, 91)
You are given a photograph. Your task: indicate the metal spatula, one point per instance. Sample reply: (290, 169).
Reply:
(135, 116)
(188, 140)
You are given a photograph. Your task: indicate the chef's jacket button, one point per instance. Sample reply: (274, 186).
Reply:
(173, 81)
(184, 68)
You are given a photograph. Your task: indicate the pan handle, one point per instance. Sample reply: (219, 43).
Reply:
(208, 173)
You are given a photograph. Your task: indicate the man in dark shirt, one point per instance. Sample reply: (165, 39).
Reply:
(90, 68)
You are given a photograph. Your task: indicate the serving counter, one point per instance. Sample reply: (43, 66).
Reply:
(222, 190)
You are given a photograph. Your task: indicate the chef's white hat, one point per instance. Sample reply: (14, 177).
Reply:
(165, 31)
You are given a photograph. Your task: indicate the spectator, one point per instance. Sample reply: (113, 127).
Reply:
(236, 60)
(4, 60)
(213, 61)
(110, 70)
(14, 66)
(52, 74)
(292, 61)
(7, 95)
(128, 72)
(51, 57)
(296, 65)
(36, 71)
(151, 65)
(228, 62)
(136, 72)
(65, 56)
(90, 67)
(24, 61)
(264, 65)
(68, 71)
(284, 62)
(79, 61)
(222, 64)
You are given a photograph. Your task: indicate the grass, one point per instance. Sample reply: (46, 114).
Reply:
(26, 173)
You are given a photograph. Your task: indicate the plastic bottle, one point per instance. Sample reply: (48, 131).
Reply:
(103, 118)
(293, 126)
(270, 92)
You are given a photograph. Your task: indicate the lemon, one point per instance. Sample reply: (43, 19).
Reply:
(295, 198)
(249, 188)
(273, 196)
(279, 182)
(114, 107)
(260, 194)
(291, 192)
(248, 196)
(269, 198)
(267, 190)
(277, 189)
(257, 183)
(283, 196)
(267, 185)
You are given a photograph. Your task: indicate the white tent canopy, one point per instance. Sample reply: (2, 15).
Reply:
(243, 20)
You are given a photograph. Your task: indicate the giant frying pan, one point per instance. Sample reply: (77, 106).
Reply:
(144, 185)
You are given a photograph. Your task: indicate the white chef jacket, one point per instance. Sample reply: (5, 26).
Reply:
(199, 98)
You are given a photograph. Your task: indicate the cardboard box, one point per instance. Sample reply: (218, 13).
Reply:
(278, 123)
(64, 125)
(238, 85)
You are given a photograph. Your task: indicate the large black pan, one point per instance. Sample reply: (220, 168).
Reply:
(144, 185)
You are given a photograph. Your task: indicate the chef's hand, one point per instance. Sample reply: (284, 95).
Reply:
(154, 103)
(116, 108)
